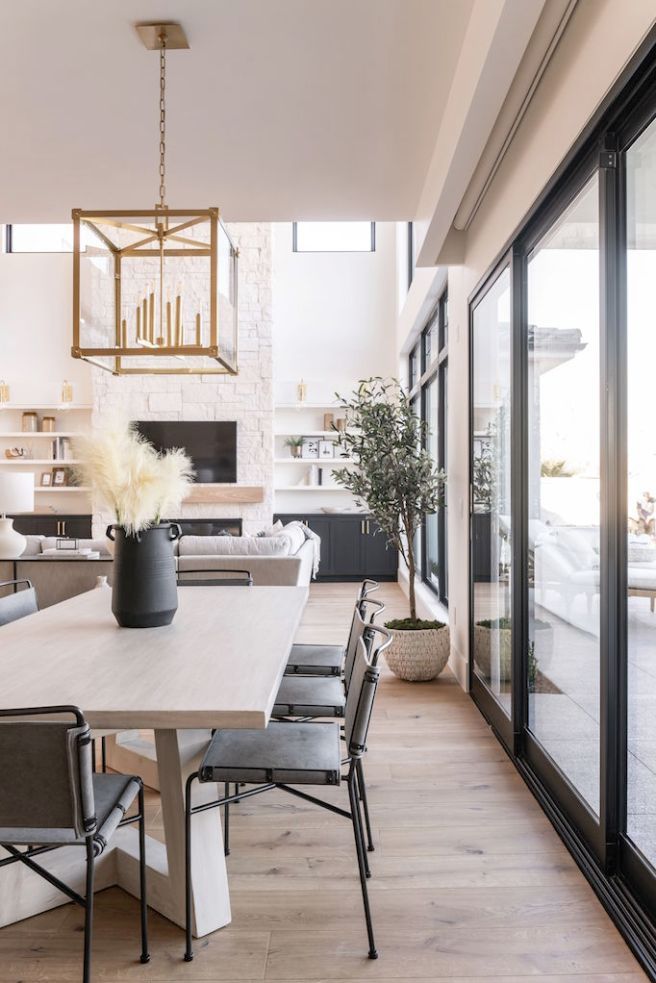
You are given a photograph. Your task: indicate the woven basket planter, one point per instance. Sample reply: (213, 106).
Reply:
(493, 645)
(418, 656)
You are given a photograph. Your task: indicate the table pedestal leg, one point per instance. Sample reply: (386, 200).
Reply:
(178, 755)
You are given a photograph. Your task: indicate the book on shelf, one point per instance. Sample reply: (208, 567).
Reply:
(61, 449)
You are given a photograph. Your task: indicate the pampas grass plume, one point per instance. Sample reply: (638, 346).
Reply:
(130, 477)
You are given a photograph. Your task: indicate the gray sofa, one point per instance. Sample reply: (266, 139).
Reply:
(286, 558)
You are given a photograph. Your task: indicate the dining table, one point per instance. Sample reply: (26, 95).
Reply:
(218, 665)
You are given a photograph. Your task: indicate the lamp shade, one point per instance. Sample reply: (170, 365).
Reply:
(16, 492)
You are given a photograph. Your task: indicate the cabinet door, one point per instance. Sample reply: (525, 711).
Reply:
(77, 526)
(37, 525)
(380, 560)
(324, 528)
(347, 539)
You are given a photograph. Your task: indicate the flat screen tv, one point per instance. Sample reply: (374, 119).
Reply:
(212, 446)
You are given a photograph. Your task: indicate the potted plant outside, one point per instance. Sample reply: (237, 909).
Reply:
(140, 486)
(396, 479)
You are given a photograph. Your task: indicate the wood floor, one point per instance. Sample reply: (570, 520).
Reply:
(469, 879)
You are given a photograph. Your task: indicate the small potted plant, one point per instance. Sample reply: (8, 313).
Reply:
(295, 445)
(141, 487)
(397, 481)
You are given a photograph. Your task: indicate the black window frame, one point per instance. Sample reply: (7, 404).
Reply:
(622, 877)
(430, 371)
(364, 252)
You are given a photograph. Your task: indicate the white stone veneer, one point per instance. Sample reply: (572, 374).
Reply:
(246, 398)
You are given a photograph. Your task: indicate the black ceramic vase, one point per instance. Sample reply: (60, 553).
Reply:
(144, 589)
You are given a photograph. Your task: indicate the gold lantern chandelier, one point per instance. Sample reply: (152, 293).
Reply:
(155, 290)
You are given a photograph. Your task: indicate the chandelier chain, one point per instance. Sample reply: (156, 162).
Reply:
(162, 120)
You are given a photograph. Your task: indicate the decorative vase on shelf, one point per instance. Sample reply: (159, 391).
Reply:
(144, 587)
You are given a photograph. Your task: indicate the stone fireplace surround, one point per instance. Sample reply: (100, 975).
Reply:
(246, 398)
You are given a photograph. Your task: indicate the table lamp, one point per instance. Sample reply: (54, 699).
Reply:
(16, 495)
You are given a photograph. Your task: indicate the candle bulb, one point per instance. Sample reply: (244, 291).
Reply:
(144, 317)
(151, 319)
(138, 324)
(124, 333)
(168, 323)
(178, 323)
(198, 341)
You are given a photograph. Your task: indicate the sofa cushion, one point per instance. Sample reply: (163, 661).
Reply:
(33, 547)
(295, 533)
(235, 546)
(270, 530)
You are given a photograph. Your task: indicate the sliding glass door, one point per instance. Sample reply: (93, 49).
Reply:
(563, 507)
(490, 517)
(640, 195)
(563, 349)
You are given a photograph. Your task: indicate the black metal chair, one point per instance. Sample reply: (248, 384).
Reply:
(286, 755)
(328, 660)
(214, 577)
(310, 697)
(18, 604)
(51, 798)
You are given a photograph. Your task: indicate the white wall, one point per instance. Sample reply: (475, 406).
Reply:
(596, 46)
(36, 324)
(333, 315)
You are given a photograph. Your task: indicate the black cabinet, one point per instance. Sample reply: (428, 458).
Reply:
(75, 526)
(352, 546)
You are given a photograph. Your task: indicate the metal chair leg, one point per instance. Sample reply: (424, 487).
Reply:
(226, 821)
(359, 848)
(145, 955)
(189, 952)
(362, 789)
(88, 911)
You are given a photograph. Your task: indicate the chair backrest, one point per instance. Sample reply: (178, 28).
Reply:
(376, 639)
(360, 702)
(361, 627)
(356, 633)
(46, 776)
(214, 577)
(367, 586)
(18, 604)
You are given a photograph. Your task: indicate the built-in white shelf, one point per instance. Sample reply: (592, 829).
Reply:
(59, 407)
(323, 462)
(310, 488)
(35, 460)
(50, 490)
(29, 434)
(300, 432)
(309, 406)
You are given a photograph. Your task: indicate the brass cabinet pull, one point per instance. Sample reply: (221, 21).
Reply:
(362, 527)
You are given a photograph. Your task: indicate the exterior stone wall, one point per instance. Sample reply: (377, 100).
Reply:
(246, 398)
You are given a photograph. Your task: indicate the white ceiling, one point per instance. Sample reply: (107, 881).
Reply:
(282, 109)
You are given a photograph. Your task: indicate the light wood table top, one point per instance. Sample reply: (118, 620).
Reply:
(218, 665)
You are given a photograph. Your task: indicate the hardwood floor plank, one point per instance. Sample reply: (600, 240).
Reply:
(470, 881)
(452, 953)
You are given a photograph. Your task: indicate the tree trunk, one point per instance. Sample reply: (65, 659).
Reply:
(411, 580)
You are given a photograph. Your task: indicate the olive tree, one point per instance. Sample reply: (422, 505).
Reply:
(395, 477)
